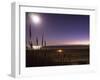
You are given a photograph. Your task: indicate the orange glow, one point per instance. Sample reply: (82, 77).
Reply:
(79, 43)
(59, 50)
(72, 42)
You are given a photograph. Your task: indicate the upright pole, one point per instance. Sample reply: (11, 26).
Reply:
(45, 43)
(42, 40)
(30, 36)
(37, 43)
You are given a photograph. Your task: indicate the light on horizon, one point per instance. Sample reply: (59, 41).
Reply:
(80, 43)
(59, 50)
(36, 47)
(76, 42)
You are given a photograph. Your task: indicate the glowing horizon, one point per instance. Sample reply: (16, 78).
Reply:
(71, 43)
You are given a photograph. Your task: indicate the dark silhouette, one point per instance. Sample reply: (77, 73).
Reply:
(42, 39)
(30, 35)
(45, 43)
(37, 43)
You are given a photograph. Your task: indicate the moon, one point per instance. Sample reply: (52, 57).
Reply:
(35, 18)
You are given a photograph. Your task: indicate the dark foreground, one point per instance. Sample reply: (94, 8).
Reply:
(51, 56)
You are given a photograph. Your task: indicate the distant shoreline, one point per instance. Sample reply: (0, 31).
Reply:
(68, 46)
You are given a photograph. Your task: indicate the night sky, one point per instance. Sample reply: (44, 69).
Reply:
(59, 29)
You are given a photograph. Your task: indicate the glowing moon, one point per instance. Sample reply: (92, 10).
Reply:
(35, 18)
